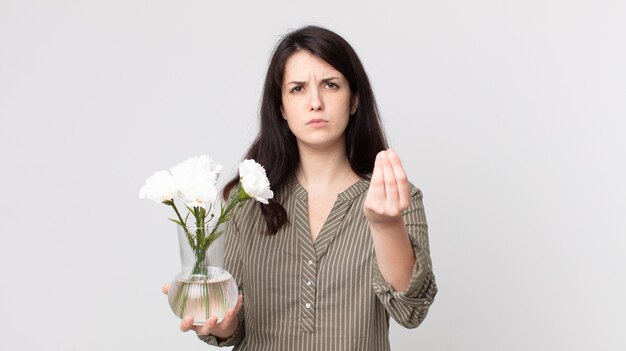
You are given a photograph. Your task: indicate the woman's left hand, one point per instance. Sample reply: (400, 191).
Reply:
(389, 194)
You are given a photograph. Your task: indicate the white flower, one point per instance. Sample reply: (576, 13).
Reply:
(195, 180)
(158, 188)
(254, 181)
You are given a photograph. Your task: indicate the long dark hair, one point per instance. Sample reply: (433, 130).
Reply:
(275, 146)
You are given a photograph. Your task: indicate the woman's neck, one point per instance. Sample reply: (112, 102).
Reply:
(328, 169)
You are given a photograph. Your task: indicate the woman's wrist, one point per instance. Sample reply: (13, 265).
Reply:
(393, 225)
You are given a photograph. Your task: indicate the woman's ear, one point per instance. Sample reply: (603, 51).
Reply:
(282, 112)
(355, 104)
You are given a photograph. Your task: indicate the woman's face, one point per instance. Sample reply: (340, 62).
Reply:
(316, 101)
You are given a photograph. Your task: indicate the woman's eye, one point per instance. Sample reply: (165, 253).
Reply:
(296, 89)
(332, 85)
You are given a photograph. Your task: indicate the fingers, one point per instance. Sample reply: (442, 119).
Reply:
(207, 327)
(165, 288)
(378, 180)
(389, 189)
(225, 327)
(231, 315)
(186, 324)
(402, 183)
(239, 303)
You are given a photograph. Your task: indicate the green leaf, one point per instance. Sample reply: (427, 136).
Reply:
(176, 221)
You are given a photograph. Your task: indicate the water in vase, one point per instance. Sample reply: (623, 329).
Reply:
(203, 296)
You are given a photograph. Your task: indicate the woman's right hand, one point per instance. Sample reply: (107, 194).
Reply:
(222, 330)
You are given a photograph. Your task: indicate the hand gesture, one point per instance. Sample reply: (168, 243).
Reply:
(389, 194)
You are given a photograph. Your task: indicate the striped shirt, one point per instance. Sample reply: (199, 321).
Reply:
(326, 294)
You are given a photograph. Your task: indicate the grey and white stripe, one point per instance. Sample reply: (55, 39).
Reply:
(324, 295)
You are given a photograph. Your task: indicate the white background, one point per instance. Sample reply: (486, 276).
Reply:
(509, 115)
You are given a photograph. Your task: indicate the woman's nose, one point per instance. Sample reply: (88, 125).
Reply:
(316, 101)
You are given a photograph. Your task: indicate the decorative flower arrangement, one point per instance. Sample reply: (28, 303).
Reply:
(194, 182)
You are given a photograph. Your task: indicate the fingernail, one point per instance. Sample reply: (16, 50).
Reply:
(391, 152)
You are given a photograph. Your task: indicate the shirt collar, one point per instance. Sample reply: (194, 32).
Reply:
(353, 191)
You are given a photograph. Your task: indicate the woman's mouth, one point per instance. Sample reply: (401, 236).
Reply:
(317, 122)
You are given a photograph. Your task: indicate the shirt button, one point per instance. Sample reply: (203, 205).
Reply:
(310, 262)
(308, 305)
(308, 282)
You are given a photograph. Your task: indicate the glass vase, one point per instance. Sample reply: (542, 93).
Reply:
(202, 288)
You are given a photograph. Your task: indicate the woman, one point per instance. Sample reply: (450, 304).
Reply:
(344, 244)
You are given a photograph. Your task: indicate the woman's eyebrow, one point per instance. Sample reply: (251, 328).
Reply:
(325, 80)
(296, 82)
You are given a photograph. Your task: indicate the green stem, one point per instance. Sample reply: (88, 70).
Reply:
(180, 218)
(200, 250)
(200, 266)
(183, 224)
(234, 200)
(237, 197)
(204, 241)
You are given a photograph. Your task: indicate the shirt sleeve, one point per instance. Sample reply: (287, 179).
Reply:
(232, 263)
(410, 307)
